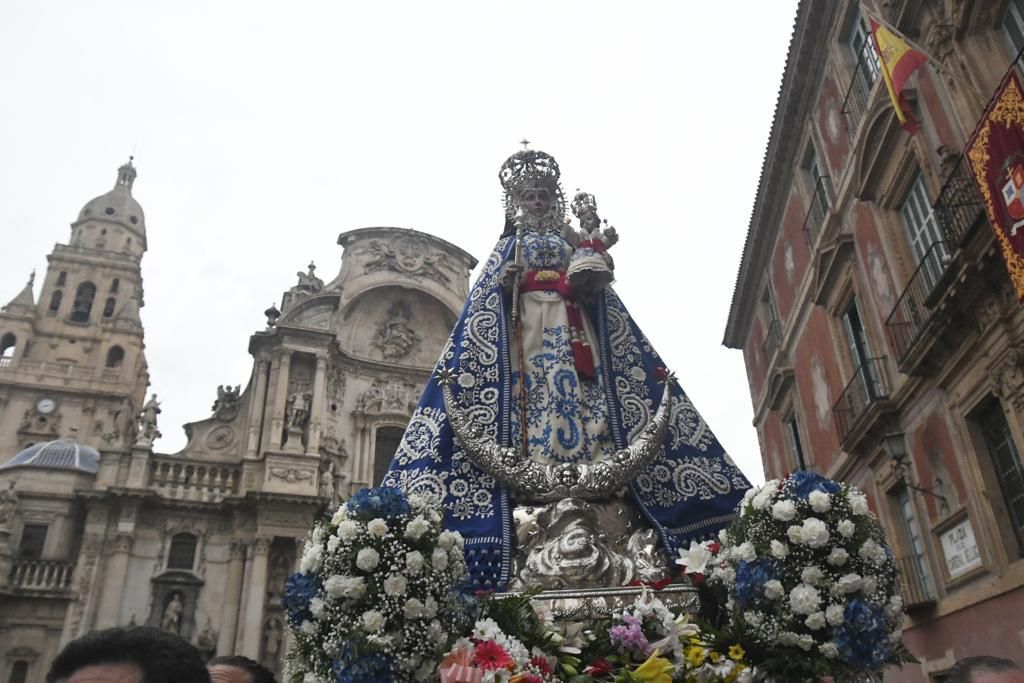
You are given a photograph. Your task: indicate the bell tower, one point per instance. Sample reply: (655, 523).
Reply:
(72, 364)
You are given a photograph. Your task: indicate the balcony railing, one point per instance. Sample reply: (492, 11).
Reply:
(5, 361)
(868, 386)
(915, 581)
(864, 76)
(185, 480)
(959, 206)
(772, 340)
(913, 310)
(816, 212)
(41, 575)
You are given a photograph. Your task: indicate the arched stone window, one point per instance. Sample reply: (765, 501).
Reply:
(8, 343)
(108, 307)
(55, 300)
(183, 552)
(82, 306)
(62, 279)
(115, 285)
(115, 356)
(385, 443)
(19, 672)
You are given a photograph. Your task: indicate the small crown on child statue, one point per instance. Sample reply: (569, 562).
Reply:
(526, 168)
(583, 203)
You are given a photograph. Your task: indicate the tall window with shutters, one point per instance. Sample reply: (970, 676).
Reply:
(923, 233)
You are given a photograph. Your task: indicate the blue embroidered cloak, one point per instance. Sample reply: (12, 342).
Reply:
(689, 492)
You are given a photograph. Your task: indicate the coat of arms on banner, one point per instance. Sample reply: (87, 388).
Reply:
(1013, 173)
(996, 156)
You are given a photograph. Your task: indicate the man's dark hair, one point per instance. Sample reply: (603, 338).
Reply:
(965, 669)
(162, 657)
(257, 672)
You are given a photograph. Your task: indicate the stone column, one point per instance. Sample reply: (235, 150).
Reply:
(114, 577)
(277, 407)
(259, 402)
(232, 600)
(317, 409)
(256, 596)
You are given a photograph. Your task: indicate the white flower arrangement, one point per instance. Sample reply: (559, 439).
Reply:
(377, 596)
(808, 582)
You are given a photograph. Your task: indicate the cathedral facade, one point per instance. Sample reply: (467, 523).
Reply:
(98, 529)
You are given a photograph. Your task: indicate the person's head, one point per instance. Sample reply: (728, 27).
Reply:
(535, 200)
(986, 670)
(238, 669)
(135, 654)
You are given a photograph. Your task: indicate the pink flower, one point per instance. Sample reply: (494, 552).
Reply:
(490, 656)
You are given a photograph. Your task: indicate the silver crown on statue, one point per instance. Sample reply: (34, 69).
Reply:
(583, 203)
(530, 168)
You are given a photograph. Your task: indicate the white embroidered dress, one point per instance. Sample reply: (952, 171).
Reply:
(567, 416)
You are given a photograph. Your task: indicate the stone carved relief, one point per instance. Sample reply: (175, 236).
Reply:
(410, 255)
(1007, 377)
(290, 474)
(395, 338)
(228, 403)
(219, 438)
(308, 282)
(385, 396)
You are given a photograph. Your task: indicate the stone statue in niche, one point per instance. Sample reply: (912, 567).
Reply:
(278, 577)
(170, 621)
(147, 422)
(395, 338)
(225, 408)
(272, 636)
(124, 425)
(297, 410)
(328, 489)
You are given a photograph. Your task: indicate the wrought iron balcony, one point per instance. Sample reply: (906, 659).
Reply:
(816, 212)
(41, 575)
(868, 386)
(915, 582)
(5, 361)
(865, 73)
(959, 207)
(912, 312)
(772, 340)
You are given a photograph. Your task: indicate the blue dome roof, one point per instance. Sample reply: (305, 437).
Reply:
(57, 455)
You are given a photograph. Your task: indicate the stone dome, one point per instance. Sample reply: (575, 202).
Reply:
(57, 455)
(118, 205)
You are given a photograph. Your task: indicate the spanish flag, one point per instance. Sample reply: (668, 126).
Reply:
(897, 61)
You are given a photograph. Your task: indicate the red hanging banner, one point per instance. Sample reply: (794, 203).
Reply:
(996, 156)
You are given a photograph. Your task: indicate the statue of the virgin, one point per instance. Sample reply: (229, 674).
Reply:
(617, 469)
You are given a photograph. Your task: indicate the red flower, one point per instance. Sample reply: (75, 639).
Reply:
(490, 656)
(598, 667)
(542, 664)
(714, 547)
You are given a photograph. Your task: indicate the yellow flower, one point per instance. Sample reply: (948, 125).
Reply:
(695, 656)
(655, 670)
(736, 652)
(715, 656)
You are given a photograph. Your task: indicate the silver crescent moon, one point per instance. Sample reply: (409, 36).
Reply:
(536, 482)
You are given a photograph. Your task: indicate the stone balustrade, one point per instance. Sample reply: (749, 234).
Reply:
(191, 480)
(41, 575)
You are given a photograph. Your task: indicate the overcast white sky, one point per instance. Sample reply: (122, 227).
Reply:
(262, 130)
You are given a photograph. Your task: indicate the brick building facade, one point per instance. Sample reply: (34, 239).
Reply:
(883, 343)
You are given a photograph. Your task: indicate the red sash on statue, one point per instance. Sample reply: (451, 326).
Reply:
(554, 281)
